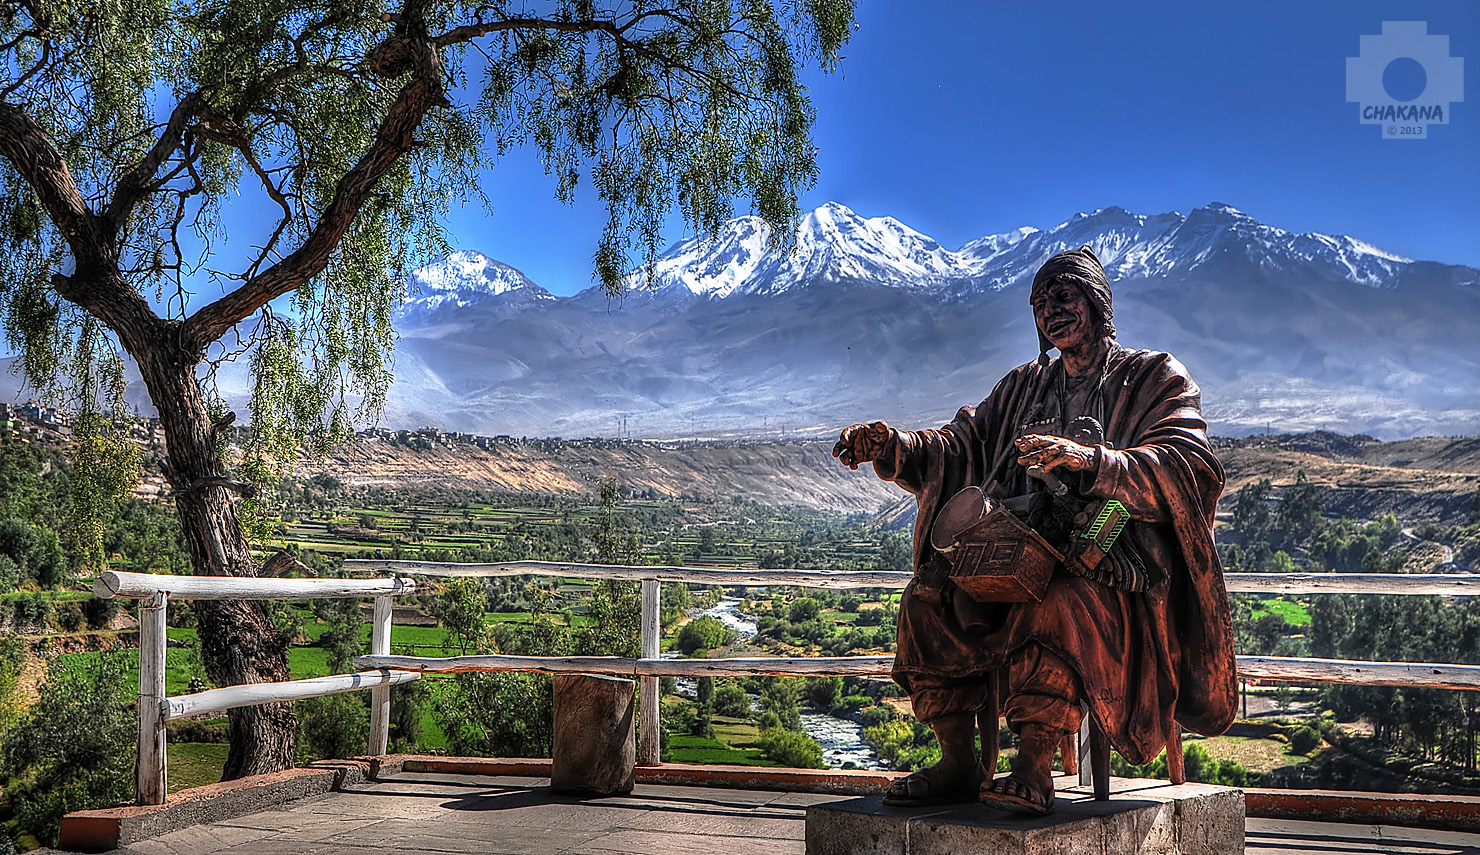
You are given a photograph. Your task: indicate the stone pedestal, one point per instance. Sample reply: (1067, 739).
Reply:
(595, 745)
(1142, 816)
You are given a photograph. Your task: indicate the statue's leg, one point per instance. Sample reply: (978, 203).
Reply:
(1042, 706)
(951, 713)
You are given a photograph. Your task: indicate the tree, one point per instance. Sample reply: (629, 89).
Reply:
(127, 129)
(704, 633)
(461, 611)
(803, 609)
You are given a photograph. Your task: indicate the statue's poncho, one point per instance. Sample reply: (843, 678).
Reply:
(1142, 658)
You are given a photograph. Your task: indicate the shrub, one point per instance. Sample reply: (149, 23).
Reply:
(69, 617)
(496, 715)
(791, 748)
(874, 716)
(1304, 740)
(10, 574)
(803, 610)
(99, 612)
(31, 612)
(823, 693)
(731, 700)
(678, 716)
(333, 726)
(74, 750)
(704, 633)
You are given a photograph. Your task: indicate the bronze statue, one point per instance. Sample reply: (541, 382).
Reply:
(1103, 454)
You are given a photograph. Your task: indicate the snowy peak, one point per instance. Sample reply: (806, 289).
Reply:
(831, 244)
(834, 245)
(1173, 245)
(463, 279)
(736, 255)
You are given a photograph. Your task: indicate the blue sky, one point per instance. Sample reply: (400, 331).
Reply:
(965, 118)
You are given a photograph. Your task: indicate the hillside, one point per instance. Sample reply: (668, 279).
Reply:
(801, 473)
(1428, 478)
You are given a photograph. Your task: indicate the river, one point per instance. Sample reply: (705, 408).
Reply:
(841, 738)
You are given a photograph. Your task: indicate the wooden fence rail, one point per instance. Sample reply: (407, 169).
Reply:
(221, 700)
(380, 670)
(1285, 668)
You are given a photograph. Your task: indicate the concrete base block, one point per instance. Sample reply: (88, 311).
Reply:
(1145, 817)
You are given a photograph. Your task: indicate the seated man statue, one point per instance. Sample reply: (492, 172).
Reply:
(1144, 641)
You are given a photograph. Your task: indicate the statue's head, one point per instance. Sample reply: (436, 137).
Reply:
(1071, 301)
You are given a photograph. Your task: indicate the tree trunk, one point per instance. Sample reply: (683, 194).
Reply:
(239, 642)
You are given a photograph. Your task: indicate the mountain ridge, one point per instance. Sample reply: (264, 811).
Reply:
(866, 318)
(834, 244)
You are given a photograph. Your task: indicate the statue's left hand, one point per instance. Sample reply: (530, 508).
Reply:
(1052, 452)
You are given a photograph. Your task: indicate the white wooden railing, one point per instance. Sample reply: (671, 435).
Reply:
(380, 670)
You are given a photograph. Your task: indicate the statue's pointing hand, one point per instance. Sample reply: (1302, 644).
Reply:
(1052, 452)
(862, 443)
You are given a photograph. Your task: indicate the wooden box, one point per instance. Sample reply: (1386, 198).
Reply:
(1001, 560)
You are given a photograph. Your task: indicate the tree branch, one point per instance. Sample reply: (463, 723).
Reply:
(468, 32)
(95, 284)
(414, 51)
(135, 183)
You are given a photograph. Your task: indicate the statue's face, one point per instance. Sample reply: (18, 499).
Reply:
(1064, 316)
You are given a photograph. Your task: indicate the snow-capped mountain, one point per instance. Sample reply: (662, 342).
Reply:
(835, 245)
(1217, 238)
(868, 318)
(832, 244)
(465, 279)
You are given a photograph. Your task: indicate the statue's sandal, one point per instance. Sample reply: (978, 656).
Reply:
(1012, 794)
(918, 790)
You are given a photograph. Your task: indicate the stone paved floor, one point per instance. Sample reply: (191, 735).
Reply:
(441, 813)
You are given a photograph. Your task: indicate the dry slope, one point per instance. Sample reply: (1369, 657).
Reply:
(1427, 478)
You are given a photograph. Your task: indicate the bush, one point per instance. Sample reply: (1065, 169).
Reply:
(69, 617)
(731, 700)
(333, 726)
(496, 715)
(10, 574)
(678, 716)
(823, 693)
(99, 612)
(1304, 740)
(74, 750)
(32, 612)
(791, 748)
(803, 610)
(704, 633)
(874, 716)
(12, 662)
(1197, 764)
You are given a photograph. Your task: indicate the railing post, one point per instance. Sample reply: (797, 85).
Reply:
(152, 776)
(648, 748)
(380, 696)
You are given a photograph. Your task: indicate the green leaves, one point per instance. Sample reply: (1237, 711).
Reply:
(74, 749)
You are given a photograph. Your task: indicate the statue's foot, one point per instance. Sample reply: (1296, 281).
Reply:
(1015, 794)
(935, 786)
